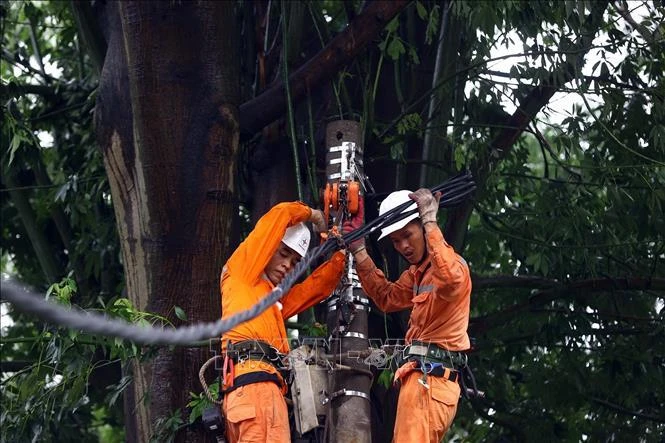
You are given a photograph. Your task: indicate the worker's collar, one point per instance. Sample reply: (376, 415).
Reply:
(267, 280)
(420, 268)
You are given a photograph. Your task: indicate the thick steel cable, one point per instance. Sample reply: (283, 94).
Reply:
(101, 324)
(455, 190)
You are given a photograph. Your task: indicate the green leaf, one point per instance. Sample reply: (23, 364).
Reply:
(397, 151)
(433, 24)
(395, 48)
(460, 158)
(14, 145)
(180, 313)
(422, 12)
(393, 25)
(413, 55)
(385, 378)
(61, 194)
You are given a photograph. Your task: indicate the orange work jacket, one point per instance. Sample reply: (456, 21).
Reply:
(243, 284)
(438, 290)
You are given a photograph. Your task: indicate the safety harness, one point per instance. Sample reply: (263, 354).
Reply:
(436, 361)
(418, 350)
(256, 350)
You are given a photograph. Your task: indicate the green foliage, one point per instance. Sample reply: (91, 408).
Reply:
(385, 378)
(200, 402)
(316, 329)
(63, 291)
(51, 397)
(69, 377)
(166, 428)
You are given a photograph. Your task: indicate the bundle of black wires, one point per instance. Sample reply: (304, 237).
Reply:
(454, 191)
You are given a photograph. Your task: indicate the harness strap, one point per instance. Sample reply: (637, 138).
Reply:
(430, 351)
(254, 350)
(427, 369)
(438, 370)
(254, 377)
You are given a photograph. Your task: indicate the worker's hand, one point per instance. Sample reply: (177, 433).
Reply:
(428, 204)
(353, 223)
(318, 221)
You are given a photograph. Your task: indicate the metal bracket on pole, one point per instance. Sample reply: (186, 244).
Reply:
(348, 392)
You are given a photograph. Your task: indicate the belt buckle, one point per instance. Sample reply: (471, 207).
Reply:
(418, 350)
(427, 366)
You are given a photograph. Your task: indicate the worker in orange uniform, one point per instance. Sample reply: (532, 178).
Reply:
(437, 287)
(254, 405)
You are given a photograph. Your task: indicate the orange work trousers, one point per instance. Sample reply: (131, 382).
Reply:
(256, 413)
(424, 415)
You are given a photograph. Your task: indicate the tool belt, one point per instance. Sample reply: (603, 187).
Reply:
(429, 352)
(254, 350)
(439, 362)
(259, 351)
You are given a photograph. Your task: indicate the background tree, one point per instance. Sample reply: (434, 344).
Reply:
(196, 128)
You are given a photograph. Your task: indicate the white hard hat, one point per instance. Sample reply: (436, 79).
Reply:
(393, 200)
(297, 238)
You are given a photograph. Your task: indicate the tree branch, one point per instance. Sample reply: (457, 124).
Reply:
(14, 60)
(510, 281)
(90, 31)
(482, 324)
(13, 89)
(262, 110)
(539, 96)
(528, 107)
(42, 247)
(626, 411)
(14, 366)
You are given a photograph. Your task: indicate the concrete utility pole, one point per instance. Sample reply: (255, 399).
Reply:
(349, 413)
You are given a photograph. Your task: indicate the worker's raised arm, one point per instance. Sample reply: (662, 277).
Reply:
(448, 268)
(251, 257)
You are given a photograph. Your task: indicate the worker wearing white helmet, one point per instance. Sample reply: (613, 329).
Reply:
(254, 406)
(437, 289)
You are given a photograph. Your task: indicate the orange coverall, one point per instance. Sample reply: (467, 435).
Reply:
(439, 292)
(257, 411)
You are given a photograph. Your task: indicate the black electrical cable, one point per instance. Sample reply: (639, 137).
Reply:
(454, 190)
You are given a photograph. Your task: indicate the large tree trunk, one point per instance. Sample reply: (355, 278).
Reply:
(167, 123)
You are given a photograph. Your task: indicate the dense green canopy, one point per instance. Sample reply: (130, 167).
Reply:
(557, 108)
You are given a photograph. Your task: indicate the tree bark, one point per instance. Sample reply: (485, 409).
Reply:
(167, 123)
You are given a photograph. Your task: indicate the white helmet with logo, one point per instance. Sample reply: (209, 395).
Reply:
(297, 238)
(393, 200)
